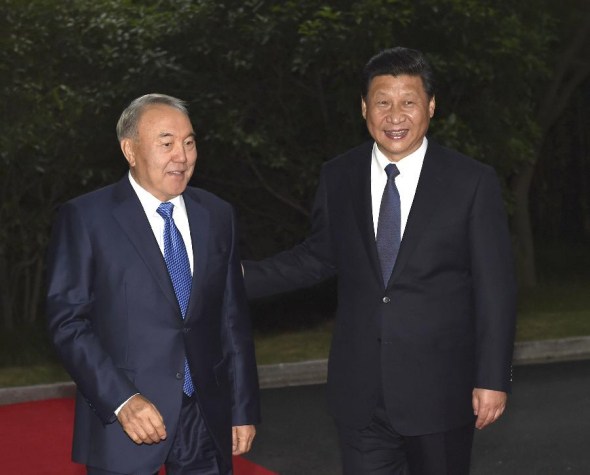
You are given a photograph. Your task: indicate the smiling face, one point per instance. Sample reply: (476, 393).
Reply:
(163, 155)
(398, 112)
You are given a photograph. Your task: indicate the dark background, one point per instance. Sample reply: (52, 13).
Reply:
(273, 91)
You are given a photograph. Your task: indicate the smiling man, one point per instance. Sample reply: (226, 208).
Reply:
(147, 309)
(417, 237)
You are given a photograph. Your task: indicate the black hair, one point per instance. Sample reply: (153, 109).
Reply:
(395, 62)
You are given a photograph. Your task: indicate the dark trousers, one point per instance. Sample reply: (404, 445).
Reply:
(193, 452)
(379, 450)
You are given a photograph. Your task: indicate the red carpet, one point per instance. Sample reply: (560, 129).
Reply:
(36, 437)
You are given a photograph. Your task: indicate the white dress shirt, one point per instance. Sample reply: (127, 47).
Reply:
(150, 205)
(406, 182)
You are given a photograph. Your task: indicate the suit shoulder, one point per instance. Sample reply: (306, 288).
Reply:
(461, 161)
(464, 168)
(349, 157)
(208, 199)
(92, 199)
(90, 210)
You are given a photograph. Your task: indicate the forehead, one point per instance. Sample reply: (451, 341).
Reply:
(397, 84)
(163, 118)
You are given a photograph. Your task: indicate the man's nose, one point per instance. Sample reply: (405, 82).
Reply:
(395, 115)
(180, 154)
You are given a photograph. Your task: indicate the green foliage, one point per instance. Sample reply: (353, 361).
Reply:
(274, 88)
(17, 376)
(65, 68)
(559, 306)
(309, 343)
(557, 311)
(273, 92)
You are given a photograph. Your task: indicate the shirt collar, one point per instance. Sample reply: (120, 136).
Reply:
(412, 164)
(149, 202)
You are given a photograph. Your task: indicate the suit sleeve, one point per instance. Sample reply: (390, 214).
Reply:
(302, 266)
(70, 303)
(238, 342)
(494, 286)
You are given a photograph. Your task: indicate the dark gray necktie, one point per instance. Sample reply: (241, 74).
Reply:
(389, 227)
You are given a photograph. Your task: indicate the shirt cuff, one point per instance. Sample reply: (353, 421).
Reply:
(121, 406)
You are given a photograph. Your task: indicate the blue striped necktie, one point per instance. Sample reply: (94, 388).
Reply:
(389, 224)
(179, 269)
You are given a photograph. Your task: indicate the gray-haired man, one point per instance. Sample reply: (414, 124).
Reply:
(147, 309)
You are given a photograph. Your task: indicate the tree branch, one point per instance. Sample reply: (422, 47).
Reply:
(563, 99)
(545, 113)
(276, 194)
(220, 181)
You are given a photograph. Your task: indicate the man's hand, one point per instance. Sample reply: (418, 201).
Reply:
(141, 421)
(242, 437)
(488, 406)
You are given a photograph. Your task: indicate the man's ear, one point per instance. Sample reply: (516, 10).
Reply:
(432, 106)
(128, 149)
(364, 107)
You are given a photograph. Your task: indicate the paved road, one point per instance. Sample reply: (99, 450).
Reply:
(545, 431)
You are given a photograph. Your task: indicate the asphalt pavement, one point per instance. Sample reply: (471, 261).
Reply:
(544, 431)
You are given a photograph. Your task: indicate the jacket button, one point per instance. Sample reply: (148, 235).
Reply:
(178, 375)
(386, 300)
(185, 330)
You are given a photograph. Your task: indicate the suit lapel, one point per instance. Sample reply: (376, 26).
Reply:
(429, 194)
(199, 222)
(131, 217)
(360, 185)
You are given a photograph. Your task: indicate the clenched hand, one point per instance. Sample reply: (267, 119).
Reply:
(141, 421)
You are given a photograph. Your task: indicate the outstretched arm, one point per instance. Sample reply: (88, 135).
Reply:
(302, 266)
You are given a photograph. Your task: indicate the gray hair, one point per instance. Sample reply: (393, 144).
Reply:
(129, 120)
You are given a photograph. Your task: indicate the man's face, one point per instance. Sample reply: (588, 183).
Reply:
(398, 112)
(162, 158)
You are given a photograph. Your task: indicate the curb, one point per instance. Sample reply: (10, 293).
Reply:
(316, 371)
(37, 392)
(544, 351)
(293, 374)
(528, 352)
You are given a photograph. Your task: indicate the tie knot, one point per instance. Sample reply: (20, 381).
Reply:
(391, 171)
(165, 210)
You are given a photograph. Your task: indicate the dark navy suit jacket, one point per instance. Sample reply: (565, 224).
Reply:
(445, 322)
(117, 326)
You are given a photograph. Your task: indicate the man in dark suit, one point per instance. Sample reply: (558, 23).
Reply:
(147, 309)
(417, 237)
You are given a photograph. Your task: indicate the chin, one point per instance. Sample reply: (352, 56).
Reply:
(178, 191)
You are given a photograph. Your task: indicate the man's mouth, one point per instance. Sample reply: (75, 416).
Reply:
(396, 134)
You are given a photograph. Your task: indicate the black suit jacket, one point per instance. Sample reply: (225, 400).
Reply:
(445, 322)
(118, 329)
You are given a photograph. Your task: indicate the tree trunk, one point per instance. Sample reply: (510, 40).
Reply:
(524, 248)
(26, 293)
(5, 296)
(36, 284)
(572, 70)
